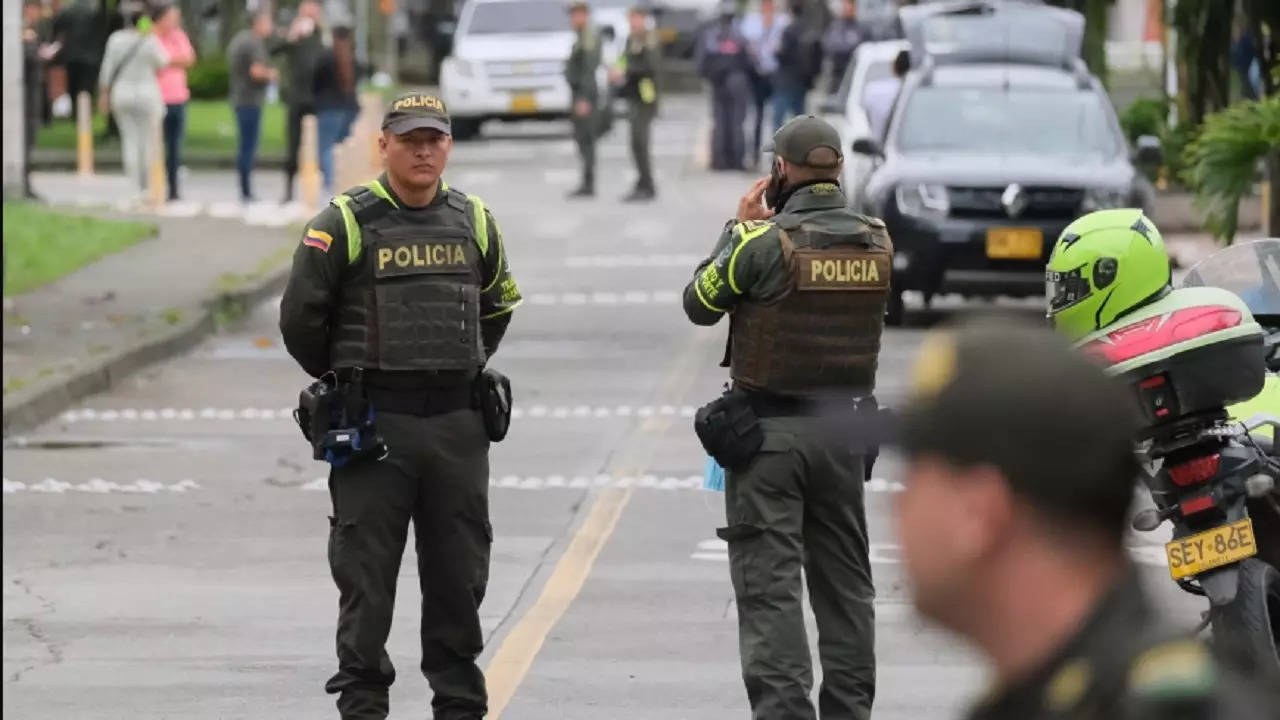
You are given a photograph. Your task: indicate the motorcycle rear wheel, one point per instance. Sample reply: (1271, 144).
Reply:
(1247, 629)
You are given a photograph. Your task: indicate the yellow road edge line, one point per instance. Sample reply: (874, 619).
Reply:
(511, 663)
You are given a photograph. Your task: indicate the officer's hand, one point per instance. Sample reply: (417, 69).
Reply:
(751, 206)
(582, 109)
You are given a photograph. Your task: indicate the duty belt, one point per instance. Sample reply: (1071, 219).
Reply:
(422, 402)
(767, 405)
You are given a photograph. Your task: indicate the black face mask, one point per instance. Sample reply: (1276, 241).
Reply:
(773, 192)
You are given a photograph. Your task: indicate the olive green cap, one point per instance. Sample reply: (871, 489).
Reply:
(799, 137)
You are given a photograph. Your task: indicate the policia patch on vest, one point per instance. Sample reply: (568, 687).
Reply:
(841, 270)
(400, 256)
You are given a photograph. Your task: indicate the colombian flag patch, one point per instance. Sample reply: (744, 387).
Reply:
(317, 239)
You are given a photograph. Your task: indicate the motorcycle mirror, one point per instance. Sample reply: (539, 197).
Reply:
(1147, 520)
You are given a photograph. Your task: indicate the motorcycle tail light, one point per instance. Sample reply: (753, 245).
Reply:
(1162, 331)
(1199, 503)
(1194, 471)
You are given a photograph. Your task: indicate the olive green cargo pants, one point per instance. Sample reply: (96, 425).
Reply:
(799, 505)
(437, 475)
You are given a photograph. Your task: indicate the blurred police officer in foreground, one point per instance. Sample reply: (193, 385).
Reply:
(401, 289)
(805, 289)
(723, 57)
(1019, 478)
(637, 76)
(580, 71)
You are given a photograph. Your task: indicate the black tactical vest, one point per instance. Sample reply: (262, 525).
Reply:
(410, 300)
(823, 333)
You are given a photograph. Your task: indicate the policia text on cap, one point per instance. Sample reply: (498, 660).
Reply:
(805, 290)
(399, 295)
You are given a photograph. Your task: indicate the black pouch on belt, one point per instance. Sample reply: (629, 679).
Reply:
(493, 394)
(729, 430)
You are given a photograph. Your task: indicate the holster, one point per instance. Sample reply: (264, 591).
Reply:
(493, 396)
(337, 419)
(729, 430)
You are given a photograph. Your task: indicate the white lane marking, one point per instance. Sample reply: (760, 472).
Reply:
(98, 486)
(633, 261)
(716, 550)
(554, 412)
(628, 297)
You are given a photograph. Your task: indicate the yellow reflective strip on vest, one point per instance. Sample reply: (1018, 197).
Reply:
(482, 223)
(381, 192)
(747, 236)
(444, 186)
(503, 311)
(353, 228)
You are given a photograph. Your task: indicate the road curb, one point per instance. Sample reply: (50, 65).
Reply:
(29, 407)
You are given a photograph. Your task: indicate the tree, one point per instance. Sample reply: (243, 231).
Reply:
(1222, 161)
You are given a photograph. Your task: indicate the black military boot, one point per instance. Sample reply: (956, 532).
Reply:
(583, 191)
(640, 194)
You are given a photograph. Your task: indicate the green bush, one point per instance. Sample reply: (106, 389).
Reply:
(1222, 161)
(209, 78)
(1145, 116)
(1174, 141)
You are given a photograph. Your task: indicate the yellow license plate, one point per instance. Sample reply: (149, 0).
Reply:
(524, 103)
(668, 35)
(1220, 546)
(1015, 243)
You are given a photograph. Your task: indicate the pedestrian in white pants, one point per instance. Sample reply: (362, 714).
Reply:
(129, 89)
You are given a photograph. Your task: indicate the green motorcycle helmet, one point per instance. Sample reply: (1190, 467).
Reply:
(1104, 265)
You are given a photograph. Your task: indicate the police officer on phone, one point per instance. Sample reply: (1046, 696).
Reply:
(399, 295)
(804, 282)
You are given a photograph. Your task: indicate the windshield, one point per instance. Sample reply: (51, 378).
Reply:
(1250, 270)
(518, 16)
(998, 121)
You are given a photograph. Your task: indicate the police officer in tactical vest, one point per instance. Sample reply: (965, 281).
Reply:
(805, 290)
(400, 293)
(637, 76)
(580, 73)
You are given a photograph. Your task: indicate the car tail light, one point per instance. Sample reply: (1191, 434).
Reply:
(1194, 471)
(1199, 503)
(1162, 331)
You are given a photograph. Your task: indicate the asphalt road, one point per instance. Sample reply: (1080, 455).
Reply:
(164, 544)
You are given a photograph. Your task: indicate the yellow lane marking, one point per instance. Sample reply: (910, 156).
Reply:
(521, 646)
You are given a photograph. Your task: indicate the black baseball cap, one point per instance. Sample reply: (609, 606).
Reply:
(414, 111)
(1017, 396)
(796, 140)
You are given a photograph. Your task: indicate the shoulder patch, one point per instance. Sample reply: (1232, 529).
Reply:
(1179, 668)
(456, 199)
(318, 239)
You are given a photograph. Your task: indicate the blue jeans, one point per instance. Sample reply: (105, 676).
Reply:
(332, 125)
(249, 126)
(787, 101)
(175, 128)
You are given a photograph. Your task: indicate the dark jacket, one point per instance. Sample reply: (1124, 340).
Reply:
(799, 57)
(723, 54)
(302, 57)
(584, 61)
(639, 62)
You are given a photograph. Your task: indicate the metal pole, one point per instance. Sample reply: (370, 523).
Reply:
(362, 32)
(15, 103)
(391, 66)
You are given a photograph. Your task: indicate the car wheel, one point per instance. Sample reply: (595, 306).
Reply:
(465, 128)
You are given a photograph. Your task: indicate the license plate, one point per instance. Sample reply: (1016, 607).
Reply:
(1015, 243)
(1220, 546)
(524, 103)
(668, 35)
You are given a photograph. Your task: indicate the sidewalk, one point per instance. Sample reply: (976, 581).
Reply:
(81, 334)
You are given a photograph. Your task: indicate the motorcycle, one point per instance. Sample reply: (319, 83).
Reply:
(1192, 358)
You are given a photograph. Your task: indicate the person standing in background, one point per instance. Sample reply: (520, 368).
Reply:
(580, 73)
(637, 77)
(840, 41)
(799, 60)
(173, 87)
(76, 27)
(250, 74)
(335, 97)
(879, 97)
(35, 54)
(724, 61)
(763, 30)
(303, 46)
(127, 86)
